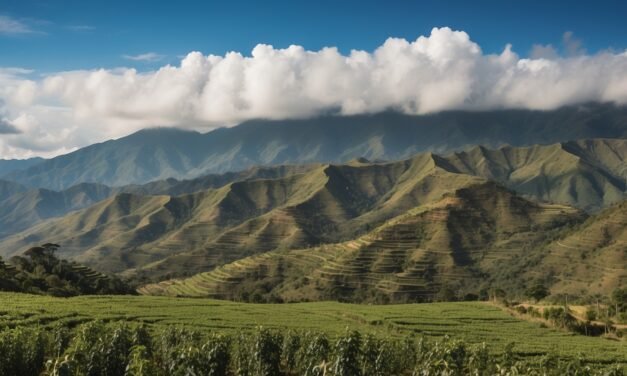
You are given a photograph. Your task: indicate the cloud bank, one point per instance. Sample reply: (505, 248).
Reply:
(445, 70)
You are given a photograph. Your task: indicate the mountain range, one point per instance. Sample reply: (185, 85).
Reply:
(588, 174)
(171, 229)
(157, 154)
(340, 207)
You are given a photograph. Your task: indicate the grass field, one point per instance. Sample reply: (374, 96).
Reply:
(474, 322)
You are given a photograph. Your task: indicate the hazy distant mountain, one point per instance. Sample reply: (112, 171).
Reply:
(28, 207)
(10, 165)
(8, 188)
(156, 154)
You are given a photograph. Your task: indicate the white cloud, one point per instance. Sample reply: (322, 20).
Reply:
(10, 25)
(442, 71)
(147, 57)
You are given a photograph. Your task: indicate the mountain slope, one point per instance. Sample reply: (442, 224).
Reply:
(28, 207)
(9, 165)
(451, 244)
(589, 174)
(195, 232)
(21, 208)
(587, 259)
(163, 153)
(9, 188)
(199, 227)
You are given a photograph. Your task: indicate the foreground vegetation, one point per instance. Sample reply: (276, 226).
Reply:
(471, 322)
(39, 271)
(119, 349)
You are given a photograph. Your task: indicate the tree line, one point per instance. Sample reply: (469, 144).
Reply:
(39, 271)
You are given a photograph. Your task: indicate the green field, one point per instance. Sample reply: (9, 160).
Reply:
(474, 322)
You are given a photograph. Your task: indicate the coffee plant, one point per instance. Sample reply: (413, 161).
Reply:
(120, 349)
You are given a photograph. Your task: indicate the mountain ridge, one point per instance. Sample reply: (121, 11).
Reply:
(172, 228)
(164, 153)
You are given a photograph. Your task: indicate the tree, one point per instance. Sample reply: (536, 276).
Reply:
(619, 298)
(537, 292)
(43, 255)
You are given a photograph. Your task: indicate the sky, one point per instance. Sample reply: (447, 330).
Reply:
(77, 72)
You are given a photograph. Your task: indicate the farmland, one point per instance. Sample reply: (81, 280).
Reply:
(473, 322)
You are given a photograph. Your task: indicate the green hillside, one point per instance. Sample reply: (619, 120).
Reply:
(149, 237)
(590, 258)
(21, 208)
(26, 208)
(589, 174)
(452, 245)
(326, 204)
(175, 229)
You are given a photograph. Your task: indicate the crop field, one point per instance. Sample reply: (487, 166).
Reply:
(474, 322)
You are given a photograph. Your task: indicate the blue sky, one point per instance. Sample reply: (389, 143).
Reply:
(72, 34)
(77, 72)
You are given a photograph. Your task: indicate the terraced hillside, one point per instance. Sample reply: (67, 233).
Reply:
(587, 259)
(450, 245)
